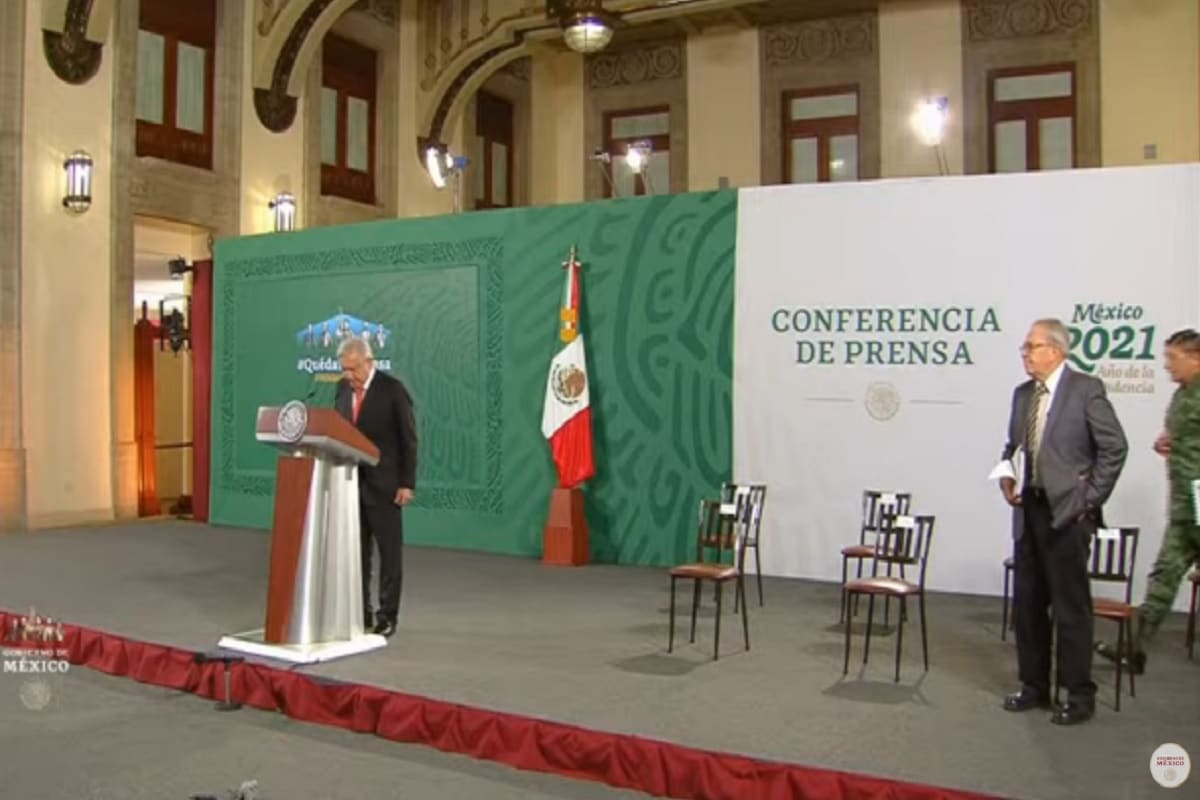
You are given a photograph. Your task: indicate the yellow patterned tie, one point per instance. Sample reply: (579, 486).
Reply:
(1033, 431)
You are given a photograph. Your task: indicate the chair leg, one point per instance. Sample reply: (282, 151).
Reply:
(870, 620)
(671, 635)
(745, 616)
(1129, 638)
(1120, 659)
(758, 575)
(924, 628)
(1004, 620)
(846, 665)
(845, 576)
(737, 596)
(858, 575)
(1191, 628)
(695, 607)
(717, 631)
(900, 636)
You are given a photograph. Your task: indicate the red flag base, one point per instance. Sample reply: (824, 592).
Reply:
(565, 543)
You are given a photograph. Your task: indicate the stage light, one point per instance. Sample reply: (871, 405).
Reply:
(446, 169)
(929, 120)
(77, 195)
(637, 155)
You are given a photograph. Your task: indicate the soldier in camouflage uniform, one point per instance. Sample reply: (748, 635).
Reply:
(1180, 445)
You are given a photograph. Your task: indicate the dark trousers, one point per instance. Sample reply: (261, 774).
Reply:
(1052, 575)
(383, 525)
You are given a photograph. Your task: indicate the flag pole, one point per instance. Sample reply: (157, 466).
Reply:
(565, 539)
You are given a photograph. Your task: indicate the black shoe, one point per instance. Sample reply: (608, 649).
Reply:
(1073, 714)
(1135, 662)
(1026, 700)
(385, 627)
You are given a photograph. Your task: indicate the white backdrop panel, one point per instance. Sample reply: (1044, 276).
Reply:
(821, 415)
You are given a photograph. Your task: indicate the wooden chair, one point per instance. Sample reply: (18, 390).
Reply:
(748, 500)
(902, 540)
(875, 505)
(718, 532)
(1112, 560)
(1193, 607)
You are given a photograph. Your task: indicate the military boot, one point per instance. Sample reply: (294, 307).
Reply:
(1135, 651)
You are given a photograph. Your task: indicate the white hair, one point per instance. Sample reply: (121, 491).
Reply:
(356, 346)
(1057, 333)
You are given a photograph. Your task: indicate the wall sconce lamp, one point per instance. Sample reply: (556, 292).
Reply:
(77, 193)
(283, 208)
(444, 168)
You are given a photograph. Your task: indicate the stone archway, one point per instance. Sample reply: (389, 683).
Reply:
(287, 34)
(73, 36)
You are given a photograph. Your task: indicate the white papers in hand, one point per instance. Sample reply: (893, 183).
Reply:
(1011, 468)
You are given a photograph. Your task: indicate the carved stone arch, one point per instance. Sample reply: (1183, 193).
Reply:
(451, 97)
(73, 36)
(287, 35)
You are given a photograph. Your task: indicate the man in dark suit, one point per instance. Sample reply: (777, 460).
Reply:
(1074, 449)
(382, 409)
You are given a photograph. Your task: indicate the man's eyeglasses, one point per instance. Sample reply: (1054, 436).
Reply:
(1026, 349)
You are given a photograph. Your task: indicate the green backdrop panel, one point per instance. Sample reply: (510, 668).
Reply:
(464, 309)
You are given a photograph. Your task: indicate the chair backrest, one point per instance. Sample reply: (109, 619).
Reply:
(876, 505)
(904, 539)
(748, 500)
(717, 532)
(1114, 557)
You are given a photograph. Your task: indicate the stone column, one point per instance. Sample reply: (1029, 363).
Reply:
(12, 453)
(66, 286)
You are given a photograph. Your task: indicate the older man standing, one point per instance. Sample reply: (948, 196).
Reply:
(1074, 451)
(382, 409)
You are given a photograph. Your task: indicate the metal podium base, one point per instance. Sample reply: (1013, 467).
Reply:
(251, 643)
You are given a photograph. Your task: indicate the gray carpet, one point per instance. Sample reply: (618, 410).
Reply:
(588, 646)
(107, 738)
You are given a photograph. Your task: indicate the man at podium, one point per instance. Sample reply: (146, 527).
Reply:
(381, 408)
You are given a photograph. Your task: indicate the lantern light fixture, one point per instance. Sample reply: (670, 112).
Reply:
(586, 27)
(77, 192)
(283, 208)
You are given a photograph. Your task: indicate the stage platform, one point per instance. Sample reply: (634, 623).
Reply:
(587, 647)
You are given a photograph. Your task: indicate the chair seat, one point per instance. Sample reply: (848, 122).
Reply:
(883, 585)
(1009, 563)
(1112, 609)
(858, 551)
(713, 572)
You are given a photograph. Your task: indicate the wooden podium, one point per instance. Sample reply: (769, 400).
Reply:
(314, 590)
(565, 542)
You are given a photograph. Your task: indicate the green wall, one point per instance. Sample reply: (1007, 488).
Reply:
(470, 304)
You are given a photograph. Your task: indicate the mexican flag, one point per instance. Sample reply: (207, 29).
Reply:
(567, 414)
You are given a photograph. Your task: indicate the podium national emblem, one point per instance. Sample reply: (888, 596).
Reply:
(883, 401)
(568, 383)
(293, 421)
